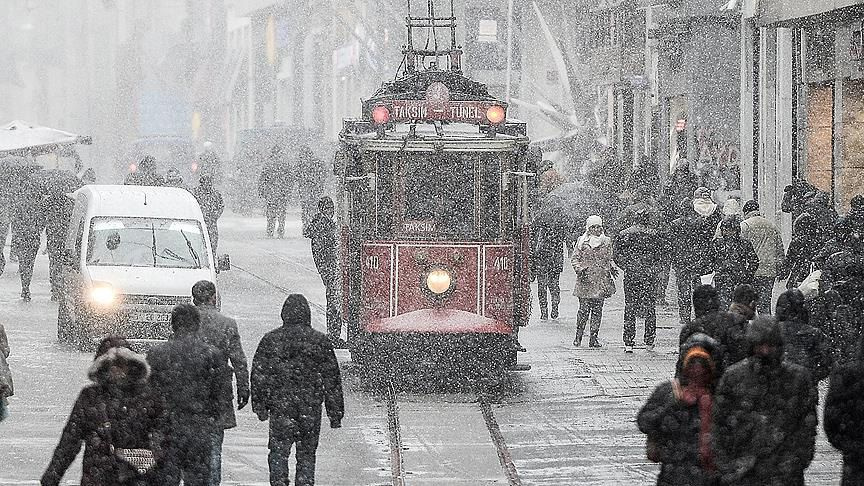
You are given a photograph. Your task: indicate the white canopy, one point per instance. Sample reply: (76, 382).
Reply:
(22, 138)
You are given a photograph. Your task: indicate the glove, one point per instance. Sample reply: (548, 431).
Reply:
(335, 423)
(263, 415)
(242, 398)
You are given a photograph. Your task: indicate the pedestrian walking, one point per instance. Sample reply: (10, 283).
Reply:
(800, 259)
(844, 418)
(732, 325)
(145, 174)
(636, 251)
(57, 207)
(592, 261)
(732, 259)
(212, 207)
(221, 332)
(274, 185)
(548, 260)
(189, 374)
(706, 306)
(765, 415)
(27, 226)
(312, 176)
(841, 309)
(294, 371)
(120, 419)
(322, 232)
(7, 388)
(684, 258)
(677, 418)
(695, 233)
(765, 238)
(803, 344)
(682, 182)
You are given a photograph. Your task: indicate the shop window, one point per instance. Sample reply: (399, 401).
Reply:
(820, 53)
(820, 102)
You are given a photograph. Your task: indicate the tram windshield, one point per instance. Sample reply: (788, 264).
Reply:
(453, 196)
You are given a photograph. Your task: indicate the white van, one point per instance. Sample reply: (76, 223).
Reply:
(132, 253)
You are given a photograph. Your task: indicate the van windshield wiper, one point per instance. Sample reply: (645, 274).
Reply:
(153, 231)
(191, 250)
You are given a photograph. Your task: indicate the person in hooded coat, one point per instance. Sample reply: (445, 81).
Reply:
(802, 252)
(190, 376)
(592, 262)
(732, 259)
(686, 262)
(146, 174)
(677, 418)
(636, 251)
(294, 371)
(768, 244)
(322, 231)
(844, 418)
(803, 344)
(765, 415)
(212, 207)
(548, 261)
(119, 410)
(706, 306)
(274, 186)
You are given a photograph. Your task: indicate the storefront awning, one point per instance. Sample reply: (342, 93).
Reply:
(791, 12)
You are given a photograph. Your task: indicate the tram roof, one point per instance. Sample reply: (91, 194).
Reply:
(454, 137)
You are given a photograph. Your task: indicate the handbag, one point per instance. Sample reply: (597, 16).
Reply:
(139, 460)
(608, 289)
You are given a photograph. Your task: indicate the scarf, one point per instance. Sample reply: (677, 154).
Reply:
(699, 395)
(704, 207)
(593, 241)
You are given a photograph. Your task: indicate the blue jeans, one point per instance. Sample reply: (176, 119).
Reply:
(216, 455)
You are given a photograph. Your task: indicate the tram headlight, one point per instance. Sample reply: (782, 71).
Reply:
(496, 114)
(380, 115)
(439, 281)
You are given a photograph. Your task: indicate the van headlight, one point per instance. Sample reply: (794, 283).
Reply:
(102, 295)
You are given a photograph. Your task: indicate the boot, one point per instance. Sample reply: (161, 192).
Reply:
(543, 314)
(594, 342)
(580, 330)
(554, 313)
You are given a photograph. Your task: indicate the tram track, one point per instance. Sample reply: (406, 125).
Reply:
(401, 472)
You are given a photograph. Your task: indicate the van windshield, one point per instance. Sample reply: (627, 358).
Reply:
(147, 242)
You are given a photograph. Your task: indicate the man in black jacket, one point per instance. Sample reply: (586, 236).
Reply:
(706, 306)
(322, 231)
(548, 264)
(294, 371)
(189, 374)
(220, 331)
(637, 251)
(732, 259)
(844, 418)
(765, 415)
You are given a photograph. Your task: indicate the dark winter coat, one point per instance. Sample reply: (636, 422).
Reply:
(294, 371)
(221, 332)
(765, 424)
(548, 257)
(211, 204)
(806, 346)
(322, 231)
(705, 323)
(129, 414)
(637, 250)
(732, 333)
(190, 376)
(802, 252)
(841, 291)
(679, 240)
(673, 427)
(276, 181)
(733, 261)
(844, 419)
(701, 230)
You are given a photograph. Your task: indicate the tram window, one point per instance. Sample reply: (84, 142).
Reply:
(439, 194)
(490, 197)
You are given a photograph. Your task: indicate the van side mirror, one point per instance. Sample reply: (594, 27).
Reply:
(223, 263)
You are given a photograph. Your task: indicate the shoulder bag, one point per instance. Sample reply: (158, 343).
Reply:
(137, 462)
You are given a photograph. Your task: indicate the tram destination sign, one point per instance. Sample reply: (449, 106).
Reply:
(425, 110)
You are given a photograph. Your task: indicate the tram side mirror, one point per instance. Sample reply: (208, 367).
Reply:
(223, 263)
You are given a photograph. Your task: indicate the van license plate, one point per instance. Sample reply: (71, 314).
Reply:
(149, 317)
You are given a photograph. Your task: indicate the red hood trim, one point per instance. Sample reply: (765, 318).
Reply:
(439, 321)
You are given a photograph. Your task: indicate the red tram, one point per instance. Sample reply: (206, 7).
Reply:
(436, 188)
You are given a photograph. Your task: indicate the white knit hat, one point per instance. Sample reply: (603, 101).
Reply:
(593, 221)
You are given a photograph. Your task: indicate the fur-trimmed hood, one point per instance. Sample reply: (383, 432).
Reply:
(139, 370)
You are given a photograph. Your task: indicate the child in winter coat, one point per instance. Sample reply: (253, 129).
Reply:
(592, 261)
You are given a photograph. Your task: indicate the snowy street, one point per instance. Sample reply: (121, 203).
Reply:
(569, 420)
